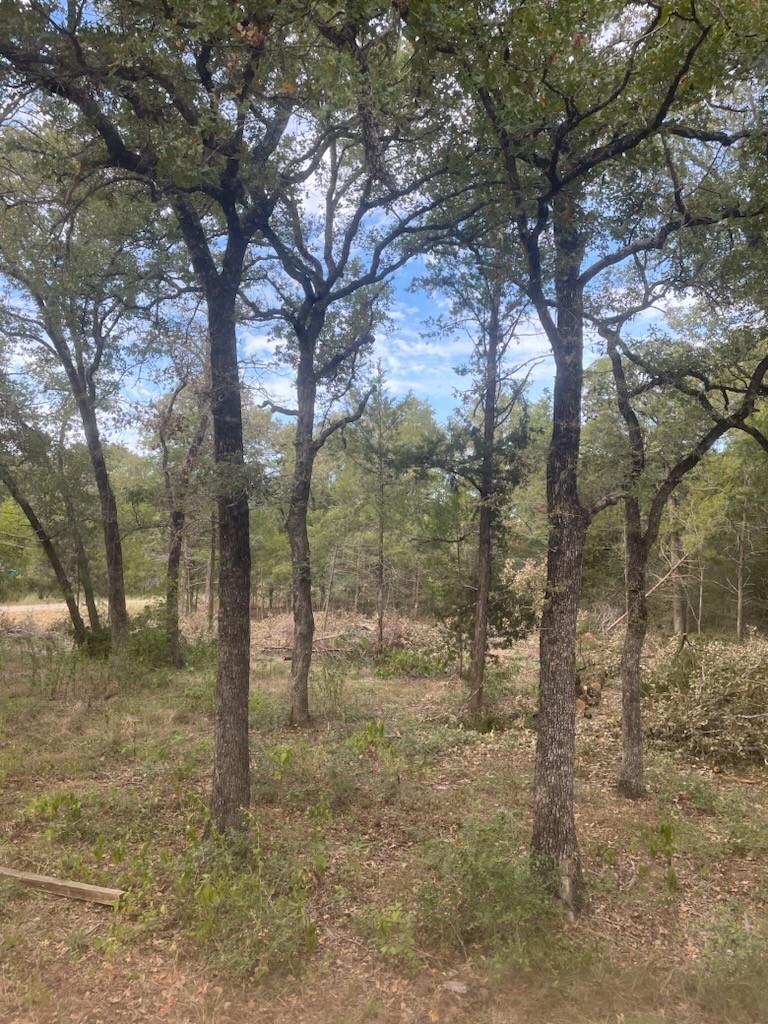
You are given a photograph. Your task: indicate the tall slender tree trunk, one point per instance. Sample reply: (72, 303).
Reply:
(210, 590)
(86, 580)
(380, 564)
(173, 566)
(480, 639)
(741, 577)
(679, 596)
(631, 781)
(700, 608)
(83, 563)
(296, 523)
(83, 389)
(231, 768)
(331, 577)
(118, 612)
(65, 585)
(554, 844)
(487, 510)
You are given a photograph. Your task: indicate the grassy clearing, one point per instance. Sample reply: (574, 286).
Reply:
(383, 874)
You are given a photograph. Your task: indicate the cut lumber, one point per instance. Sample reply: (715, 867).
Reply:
(62, 887)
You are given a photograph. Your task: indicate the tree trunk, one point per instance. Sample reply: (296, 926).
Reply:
(480, 640)
(679, 596)
(487, 509)
(331, 575)
(118, 612)
(172, 588)
(231, 768)
(83, 563)
(210, 590)
(554, 846)
(631, 781)
(51, 554)
(741, 576)
(296, 524)
(380, 567)
(83, 389)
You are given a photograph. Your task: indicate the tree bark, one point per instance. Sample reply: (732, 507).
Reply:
(83, 563)
(631, 780)
(83, 388)
(741, 577)
(51, 554)
(231, 766)
(679, 596)
(487, 509)
(176, 498)
(118, 612)
(210, 590)
(173, 564)
(554, 845)
(380, 560)
(296, 524)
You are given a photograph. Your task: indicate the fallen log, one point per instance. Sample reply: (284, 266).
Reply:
(65, 887)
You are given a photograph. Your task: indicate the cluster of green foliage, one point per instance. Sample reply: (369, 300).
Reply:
(480, 890)
(710, 697)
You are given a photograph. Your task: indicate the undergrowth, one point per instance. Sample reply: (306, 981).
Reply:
(480, 891)
(710, 697)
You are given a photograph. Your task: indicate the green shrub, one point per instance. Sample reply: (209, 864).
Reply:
(711, 699)
(249, 914)
(392, 928)
(482, 891)
(393, 662)
(732, 981)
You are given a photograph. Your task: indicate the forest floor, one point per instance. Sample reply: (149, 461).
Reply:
(383, 878)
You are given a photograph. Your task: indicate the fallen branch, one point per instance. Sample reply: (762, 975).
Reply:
(61, 887)
(655, 587)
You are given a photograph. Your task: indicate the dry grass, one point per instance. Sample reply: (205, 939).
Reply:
(104, 776)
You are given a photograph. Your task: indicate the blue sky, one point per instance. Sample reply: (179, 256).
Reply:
(414, 360)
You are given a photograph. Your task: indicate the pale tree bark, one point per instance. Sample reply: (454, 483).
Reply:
(741, 576)
(676, 554)
(631, 780)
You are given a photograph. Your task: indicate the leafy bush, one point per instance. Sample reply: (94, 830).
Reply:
(483, 891)
(733, 978)
(393, 662)
(249, 913)
(711, 698)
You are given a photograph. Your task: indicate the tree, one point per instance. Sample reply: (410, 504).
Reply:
(170, 423)
(218, 113)
(711, 394)
(574, 106)
(487, 441)
(73, 299)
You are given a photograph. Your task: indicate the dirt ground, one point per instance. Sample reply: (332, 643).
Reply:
(654, 906)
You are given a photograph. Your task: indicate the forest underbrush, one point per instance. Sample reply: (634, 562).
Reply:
(383, 873)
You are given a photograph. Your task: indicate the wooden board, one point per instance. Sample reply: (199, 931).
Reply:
(62, 887)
